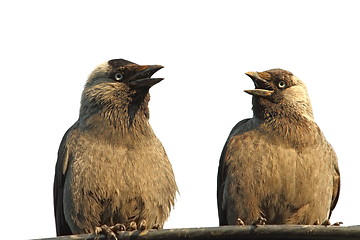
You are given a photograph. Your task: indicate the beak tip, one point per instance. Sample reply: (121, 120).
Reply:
(158, 67)
(143, 78)
(260, 92)
(251, 74)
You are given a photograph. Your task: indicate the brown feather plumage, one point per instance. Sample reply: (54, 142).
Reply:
(278, 164)
(111, 167)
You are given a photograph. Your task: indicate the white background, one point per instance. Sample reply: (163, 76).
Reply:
(48, 48)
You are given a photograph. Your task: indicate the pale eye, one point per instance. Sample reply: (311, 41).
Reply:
(282, 84)
(118, 76)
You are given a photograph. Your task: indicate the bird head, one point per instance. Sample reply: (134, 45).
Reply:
(119, 85)
(118, 81)
(279, 92)
(125, 73)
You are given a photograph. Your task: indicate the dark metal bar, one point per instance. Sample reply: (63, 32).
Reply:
(249, 232)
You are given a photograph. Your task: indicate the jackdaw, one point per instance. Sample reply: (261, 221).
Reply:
(277, 166)
(111, 168)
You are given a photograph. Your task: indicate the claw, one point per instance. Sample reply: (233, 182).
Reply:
(142, 225)
(97, 230)
(240, 222)
(132, 226)
(259, 221)
(118, 228)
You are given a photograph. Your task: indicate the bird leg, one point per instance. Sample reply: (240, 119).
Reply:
(109, 232)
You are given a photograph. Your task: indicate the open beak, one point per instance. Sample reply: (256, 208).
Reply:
(143, 76)
(262, 87)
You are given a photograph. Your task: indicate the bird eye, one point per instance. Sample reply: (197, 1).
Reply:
(118, 76)
(282, 84)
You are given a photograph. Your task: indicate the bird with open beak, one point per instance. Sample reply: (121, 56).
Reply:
(277, 166)
(112, 172)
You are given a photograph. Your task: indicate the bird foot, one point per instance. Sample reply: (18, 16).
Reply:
(156, 227)
(326, 223)
(142, 225)
(317, 222)
(337, 224)
(240, 222)
(109, 232)
(133, 226)
(259, 221)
